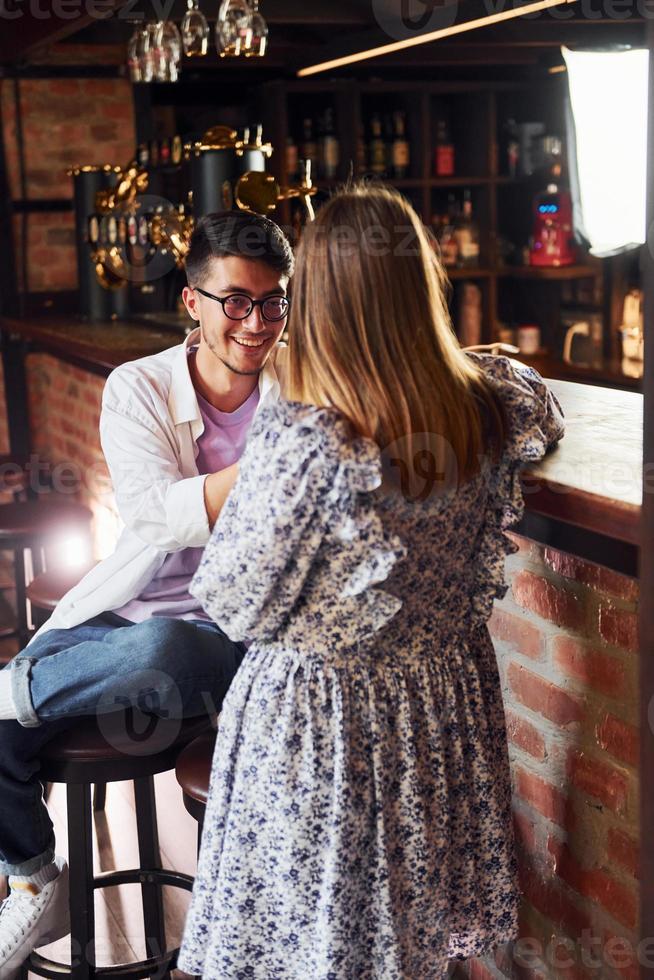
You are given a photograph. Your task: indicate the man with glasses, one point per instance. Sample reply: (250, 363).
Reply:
(173, 426)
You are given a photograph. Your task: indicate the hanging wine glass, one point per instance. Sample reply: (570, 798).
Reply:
(167, 51)
(259, 43)
(195, 31)
(139, 54)
(233, 28)
(133, 55)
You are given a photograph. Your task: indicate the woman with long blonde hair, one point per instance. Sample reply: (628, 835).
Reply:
(358, 825)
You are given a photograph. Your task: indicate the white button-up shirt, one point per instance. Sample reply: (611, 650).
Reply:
(149, 427)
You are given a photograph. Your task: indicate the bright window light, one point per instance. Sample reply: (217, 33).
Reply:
(608, 94)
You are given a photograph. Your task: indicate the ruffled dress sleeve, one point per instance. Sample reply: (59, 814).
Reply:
(535, 424)
(298, 491)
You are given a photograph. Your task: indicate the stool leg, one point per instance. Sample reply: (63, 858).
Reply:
(99, 796)
(21, 598)
(82, 912)
(150, 858)
(200, 826)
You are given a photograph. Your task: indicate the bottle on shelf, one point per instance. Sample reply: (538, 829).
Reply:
(362, 151)
(164, 152)
(154, 153)
(377, 150)
(389, 136)
(466, 232)
(329, 147)
(447, 236)
(444, 152)
(309, 145)
(292, 159)
(401, 151)
(511, 148)
(143, 155)
(176, 150)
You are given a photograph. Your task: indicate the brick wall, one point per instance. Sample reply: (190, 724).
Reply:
(65, 122)
(64, 409)
(566, 640)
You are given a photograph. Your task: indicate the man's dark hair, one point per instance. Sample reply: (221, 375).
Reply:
(237, 233)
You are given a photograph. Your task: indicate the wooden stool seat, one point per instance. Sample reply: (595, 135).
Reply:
(115, 747)
(46, 590)
(116, 741)
(193, 771)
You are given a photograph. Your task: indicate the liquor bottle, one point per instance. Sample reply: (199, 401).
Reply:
(511, 148)
(143, 155)
(330, 150)
(362, 153)
(377, 153)
(444, 153)
(154, 153)
(447, 239)
(389, 137)
(466, 232)
(164, 152)
(292, 158)
(309, 145)
(176, 150)
(401, 149)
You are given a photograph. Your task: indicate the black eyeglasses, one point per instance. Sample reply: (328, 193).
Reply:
(238, 306)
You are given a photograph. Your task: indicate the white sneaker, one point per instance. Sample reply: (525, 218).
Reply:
(28, 921)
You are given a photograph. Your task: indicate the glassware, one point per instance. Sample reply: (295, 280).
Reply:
(167, 51)
(134, 54)
(259, 43)
(233, 28)
(195, 31)
(139, 54)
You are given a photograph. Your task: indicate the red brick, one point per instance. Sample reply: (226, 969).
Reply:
(618, 627)
(594, 883)
(597, 779)
(544, 797)
(478, 971)
(595, 576)
(544, 697)
(537, 594)
(520, 634)
(621, 955)
(524, 831)
(619, 738)
(591, 667)
(548, 898)
(623, 851)
(525, 735)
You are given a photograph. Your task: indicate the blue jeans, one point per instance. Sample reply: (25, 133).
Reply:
(169, 667)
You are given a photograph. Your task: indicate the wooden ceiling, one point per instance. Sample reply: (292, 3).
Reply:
(306, 31)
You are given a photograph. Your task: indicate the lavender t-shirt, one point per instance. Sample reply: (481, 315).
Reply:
(220, 445)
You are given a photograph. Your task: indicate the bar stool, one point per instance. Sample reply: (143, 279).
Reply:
(48, 588)
(193, 772)
(35, 526)
(107, 749)
(43, 594)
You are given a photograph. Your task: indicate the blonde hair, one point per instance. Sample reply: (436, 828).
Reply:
(370, 335)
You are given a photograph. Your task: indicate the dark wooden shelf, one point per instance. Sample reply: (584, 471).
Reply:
(467, 272)
(458, 181)
(549, 272)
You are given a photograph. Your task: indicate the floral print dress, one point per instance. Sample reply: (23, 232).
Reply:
(358, 825)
